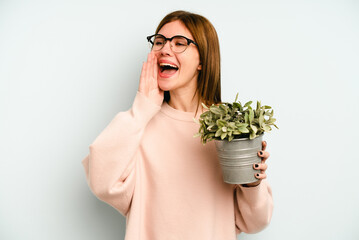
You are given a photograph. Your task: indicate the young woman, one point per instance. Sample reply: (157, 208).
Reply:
(146, 163)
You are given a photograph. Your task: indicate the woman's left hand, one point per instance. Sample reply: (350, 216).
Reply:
(260, 166)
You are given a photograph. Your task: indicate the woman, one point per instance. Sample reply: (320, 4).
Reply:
(146, 163)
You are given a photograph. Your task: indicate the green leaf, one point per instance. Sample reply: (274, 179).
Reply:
(238, 105)
(248, 104)
(266, 128)
(258, 109)
(246, 119)
(271, 120)
(218, 133)
(230, 138)
(261, 119)
(197, 135)
(240, 125)
(254, 128)
(258, 105)
(221, 123)
(232, 125)
(267, 107)
(236, 97)
(252, 135)
(210, 136)
(224, 129)
(223, 135)
(210, 127)
(204, 105)
(251, 116)
(243, 130)
(224, 108)
(215, 110)
(208, 121)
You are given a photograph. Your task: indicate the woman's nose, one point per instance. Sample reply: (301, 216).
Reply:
(166, 48)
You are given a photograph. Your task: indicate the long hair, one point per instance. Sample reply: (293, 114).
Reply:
(205, 35)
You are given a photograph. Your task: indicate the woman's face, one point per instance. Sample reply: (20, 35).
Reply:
(188, 62)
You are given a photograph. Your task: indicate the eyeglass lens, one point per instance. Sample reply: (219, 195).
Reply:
(178, 44)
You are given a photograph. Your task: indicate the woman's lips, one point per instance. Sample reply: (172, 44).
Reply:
(168, 72)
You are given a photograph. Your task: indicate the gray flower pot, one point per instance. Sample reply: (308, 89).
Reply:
(237, 158)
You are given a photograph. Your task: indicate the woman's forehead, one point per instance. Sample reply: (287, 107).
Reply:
(175, 28)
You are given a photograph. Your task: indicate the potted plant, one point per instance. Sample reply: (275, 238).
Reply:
(238, 131)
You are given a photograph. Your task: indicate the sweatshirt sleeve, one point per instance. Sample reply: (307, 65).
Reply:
(253, 207)
(110, 165)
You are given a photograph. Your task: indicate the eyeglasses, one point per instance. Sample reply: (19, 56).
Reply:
(178, 43)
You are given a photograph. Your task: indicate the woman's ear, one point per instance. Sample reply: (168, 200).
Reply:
(199, 68)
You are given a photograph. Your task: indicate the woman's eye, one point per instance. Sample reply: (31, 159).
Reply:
(158, 43)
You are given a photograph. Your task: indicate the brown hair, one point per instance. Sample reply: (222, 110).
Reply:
(204, 34)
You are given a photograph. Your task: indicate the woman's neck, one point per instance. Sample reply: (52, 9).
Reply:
(183, 101)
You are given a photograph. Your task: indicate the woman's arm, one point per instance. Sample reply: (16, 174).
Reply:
(110, 165)
(253, 207)
(254, 203)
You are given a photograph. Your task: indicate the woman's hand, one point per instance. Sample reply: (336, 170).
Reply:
(260, 166)
(148, 80)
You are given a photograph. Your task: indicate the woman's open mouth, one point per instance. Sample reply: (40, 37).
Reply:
(166, 70)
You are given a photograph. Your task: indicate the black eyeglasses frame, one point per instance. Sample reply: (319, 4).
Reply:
(189, 41)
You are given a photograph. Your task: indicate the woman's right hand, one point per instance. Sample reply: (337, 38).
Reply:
(148, 80)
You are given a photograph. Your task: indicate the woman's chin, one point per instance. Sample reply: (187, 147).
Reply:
(164, 86)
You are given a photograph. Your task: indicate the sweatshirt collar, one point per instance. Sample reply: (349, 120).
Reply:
(178, 114)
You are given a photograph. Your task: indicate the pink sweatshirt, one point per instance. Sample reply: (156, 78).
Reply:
(147, 165)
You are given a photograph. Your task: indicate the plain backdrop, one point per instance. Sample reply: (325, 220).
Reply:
(67, 67)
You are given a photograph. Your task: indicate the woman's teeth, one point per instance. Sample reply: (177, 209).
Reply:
(167, 66)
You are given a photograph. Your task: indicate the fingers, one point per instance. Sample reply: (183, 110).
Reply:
(260, 176)
(143, 77)
(149, 67)
(264, 145)
(148, 78)
(264, 155)
(260, 166)
(155, 66)
(152, 68)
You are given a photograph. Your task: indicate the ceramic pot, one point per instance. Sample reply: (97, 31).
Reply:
(237, 158)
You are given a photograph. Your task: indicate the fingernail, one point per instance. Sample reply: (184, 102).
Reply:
(265, 142)
(256, 165)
